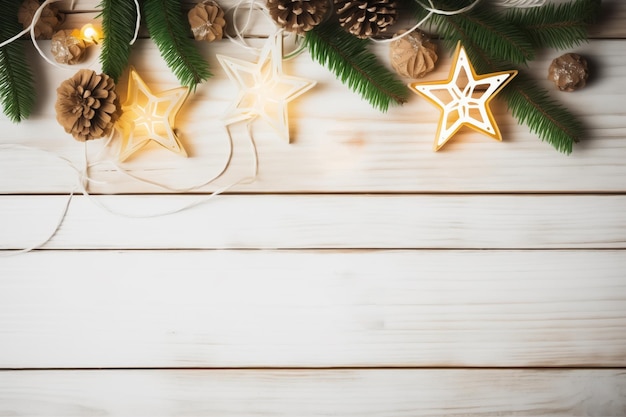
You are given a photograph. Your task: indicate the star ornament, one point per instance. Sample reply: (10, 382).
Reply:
(464, 98)
(264, 90)
(148, 116)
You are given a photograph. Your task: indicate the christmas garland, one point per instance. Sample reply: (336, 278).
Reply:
(337, 36)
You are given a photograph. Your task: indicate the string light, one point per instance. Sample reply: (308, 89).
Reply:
(90, 34)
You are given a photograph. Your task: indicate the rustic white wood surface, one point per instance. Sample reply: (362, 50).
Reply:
(360, 274)
(308, 393)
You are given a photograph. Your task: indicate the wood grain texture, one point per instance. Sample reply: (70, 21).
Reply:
(445, 293)
(340, 144)
(390, 393)
(319, 221)
(313, 308)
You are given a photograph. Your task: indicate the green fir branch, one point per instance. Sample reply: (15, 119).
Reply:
(348, 57)
(118, 24)
(17, 87)
(170, 31)
(488, 31)
(559, 26)
(532, 105)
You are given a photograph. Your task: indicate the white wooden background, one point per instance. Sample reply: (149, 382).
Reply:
(362, 274)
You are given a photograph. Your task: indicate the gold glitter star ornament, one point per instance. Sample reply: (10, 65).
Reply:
(148, 116)
(264, 90)
(464, 98)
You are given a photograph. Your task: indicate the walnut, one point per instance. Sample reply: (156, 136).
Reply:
(67, 48)
(569, 72)
(413, 55)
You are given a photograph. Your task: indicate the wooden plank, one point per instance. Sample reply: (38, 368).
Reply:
(318, 221)
(340, 143)
(239, 393)
(255, 308)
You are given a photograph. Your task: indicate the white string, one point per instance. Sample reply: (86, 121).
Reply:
(203, 200)
(16, 37)
(431, 9)
(84, 180)
(65, 206)
(33, 22)
(162, 186)
(238, 38)
(519, 3)
(48, 237)
(137, 23)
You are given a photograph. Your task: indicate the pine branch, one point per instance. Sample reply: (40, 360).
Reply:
(488, 31)
(348, 57)
(170, 31)
(118, 24)
(559, 26)
(529, 103)
(17, 88)
(532, 105)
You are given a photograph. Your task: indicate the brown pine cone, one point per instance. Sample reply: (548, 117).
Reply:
(413, 55)
(87, 105)
(207, 21)
(298, 16)
(67, 48)
(48, 22)
(366, 18)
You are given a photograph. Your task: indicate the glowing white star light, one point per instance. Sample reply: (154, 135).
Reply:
(264, 90)
(148, 116)
(464, 98)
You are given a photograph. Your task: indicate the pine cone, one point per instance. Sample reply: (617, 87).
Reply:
(207, 21)
(87, 105)
(67, 48)
(298, 15)
(366, 18)
(413, 55)
(49, 20)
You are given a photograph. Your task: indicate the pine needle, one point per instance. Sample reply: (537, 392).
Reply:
(170, 31)
(17, 88)
(488, 31)
(490, 41)
(352, 63)
(559, 26)
(532, 105)
(118, 25)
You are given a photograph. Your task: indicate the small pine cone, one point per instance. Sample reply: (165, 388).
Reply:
(48, 22)
(298, 16)
(366, 18)
(67, 48)
(87, 105)
(207, 21)
(413, 55)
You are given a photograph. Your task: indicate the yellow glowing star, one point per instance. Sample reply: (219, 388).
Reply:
(264, 90)
(464, 98)
(147, 116)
